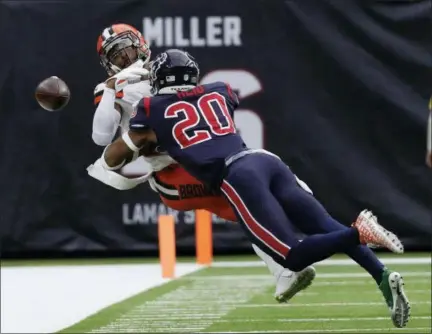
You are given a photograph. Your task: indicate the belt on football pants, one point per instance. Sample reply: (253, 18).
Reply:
(242, 154)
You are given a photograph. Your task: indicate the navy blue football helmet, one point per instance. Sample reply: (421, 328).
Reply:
(173, 68)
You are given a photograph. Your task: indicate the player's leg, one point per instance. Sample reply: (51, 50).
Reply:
(311, 217)
(169, 183)
(361, 254)
(247, 190)
(266, 225)
(284, 278)
(247, 186)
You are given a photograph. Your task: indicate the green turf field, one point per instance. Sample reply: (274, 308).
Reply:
(342, 299)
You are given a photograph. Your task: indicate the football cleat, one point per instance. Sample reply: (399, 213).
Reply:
(289, 283)
(391, 287)
(375, 235)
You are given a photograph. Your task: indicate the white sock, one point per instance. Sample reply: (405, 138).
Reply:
(274, 267)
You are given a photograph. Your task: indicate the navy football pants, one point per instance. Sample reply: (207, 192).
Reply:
(268, 202)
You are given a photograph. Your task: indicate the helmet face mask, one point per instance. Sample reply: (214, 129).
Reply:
(122, 55)
(121, 49)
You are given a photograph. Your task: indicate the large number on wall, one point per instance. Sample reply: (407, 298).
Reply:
(247, 121)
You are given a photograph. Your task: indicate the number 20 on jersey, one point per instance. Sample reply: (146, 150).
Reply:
(211, 109)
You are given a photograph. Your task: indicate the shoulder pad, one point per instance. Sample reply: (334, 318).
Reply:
(99, 88)
(98, 92)
(220, 84)
(147, 89)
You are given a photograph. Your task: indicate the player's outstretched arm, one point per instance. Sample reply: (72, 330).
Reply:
(124, 147)
(116, 155)
(107, 116)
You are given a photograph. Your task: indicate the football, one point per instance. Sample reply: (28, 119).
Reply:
(52, 94)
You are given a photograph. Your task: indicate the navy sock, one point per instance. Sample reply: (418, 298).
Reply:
(311, 218)
(319, 247)
(366, 258)
(361, 254)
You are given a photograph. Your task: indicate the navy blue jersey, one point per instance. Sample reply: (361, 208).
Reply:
(195, 127)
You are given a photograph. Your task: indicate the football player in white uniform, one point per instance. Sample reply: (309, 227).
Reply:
(121, 47)
(124, 54)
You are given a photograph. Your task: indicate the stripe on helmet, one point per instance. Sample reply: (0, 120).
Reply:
(105, 34)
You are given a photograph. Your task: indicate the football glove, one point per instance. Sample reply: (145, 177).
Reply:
(129, 75)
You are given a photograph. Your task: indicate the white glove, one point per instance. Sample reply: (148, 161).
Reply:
(129, 75)
(111, 178)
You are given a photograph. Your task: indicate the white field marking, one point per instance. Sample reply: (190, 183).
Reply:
(340, 292)
(327, 262)
(365, 282)
(325, 304)
(190, 308)
(175, 305)
(342, 330)
(344, 292)
(46, 299)
(308, 320)
(324, 275)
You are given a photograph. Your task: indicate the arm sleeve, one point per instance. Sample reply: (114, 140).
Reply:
(140, 119)
(106, 118)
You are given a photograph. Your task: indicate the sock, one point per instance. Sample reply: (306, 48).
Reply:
(366, 258)
(318, 247)
(361, 254)
(313, 219)
(274, 267)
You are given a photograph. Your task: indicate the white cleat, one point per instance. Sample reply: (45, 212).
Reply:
(375, 235)
(289, 283)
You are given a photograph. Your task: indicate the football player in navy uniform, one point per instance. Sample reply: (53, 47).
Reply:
(194, 124)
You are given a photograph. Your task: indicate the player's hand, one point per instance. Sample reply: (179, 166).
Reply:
(127, 76)
(429, 159)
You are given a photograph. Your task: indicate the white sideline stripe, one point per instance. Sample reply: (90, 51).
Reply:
(328, 262)
(46, 299)
(358, 330)
(324, 304)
